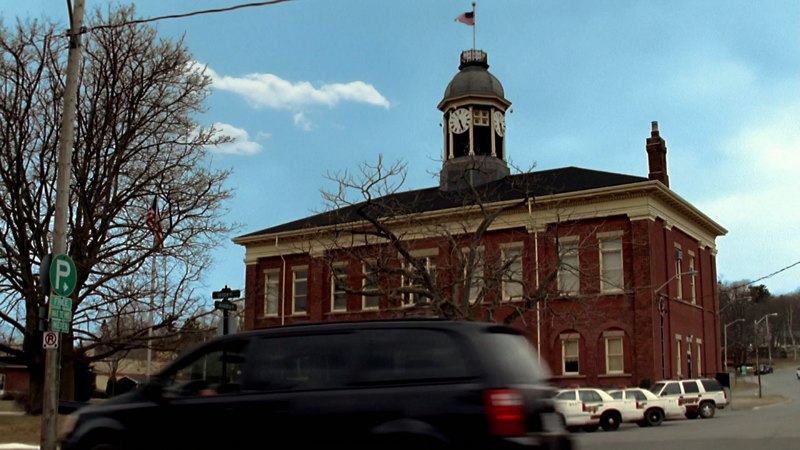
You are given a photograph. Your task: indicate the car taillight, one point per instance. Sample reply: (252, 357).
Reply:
(505, 410)
(680, 401)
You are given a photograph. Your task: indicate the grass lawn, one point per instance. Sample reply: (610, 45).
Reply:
(19, 428)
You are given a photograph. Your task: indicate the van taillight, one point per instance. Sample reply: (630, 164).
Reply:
(638, 405)
(583, 407)
(505, 410)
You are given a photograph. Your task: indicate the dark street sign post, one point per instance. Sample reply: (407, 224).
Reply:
(224, 304)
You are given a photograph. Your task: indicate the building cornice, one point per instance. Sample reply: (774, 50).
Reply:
(648, 200)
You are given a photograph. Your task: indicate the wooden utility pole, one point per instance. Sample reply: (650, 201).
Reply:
(52, 373)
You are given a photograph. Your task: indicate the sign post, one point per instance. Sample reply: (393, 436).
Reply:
(224, 304)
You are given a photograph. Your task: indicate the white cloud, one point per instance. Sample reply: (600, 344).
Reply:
(300, 120)
(265, 90)
(758, 188)
(240, 143)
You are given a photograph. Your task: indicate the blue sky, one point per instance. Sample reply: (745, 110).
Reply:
(315, 86)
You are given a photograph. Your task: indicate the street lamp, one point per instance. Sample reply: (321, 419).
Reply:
(725, 342)
(755, 326)
(663, 300)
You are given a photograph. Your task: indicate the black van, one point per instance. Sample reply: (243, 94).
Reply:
(408, 383)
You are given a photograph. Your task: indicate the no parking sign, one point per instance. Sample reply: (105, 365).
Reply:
(50, 339)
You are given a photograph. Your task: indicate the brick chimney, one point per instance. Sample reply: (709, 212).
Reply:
(657, 156)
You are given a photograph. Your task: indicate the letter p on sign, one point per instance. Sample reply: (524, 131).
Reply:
(63, 275)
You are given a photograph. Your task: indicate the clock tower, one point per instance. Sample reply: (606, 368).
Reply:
(474, 108)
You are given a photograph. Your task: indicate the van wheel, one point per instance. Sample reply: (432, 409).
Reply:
(707, 410)
(610, 421)
(654, 417)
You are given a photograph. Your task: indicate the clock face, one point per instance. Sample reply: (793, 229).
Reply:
(460, 120)
(499, 121)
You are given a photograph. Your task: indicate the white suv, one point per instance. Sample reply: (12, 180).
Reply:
(590, 408)
(701, 396)
(656, 409)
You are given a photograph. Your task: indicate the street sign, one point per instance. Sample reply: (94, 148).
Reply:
(63, 275)
(60, 313)
(225, 305)
(225, 293)
(60, 326)
(50, 339)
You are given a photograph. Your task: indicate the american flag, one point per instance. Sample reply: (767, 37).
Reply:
(153, 222)
(467, 18)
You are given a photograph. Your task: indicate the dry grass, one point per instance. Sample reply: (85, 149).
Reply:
(19, 428)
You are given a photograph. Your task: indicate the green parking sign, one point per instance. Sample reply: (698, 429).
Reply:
(63, 275)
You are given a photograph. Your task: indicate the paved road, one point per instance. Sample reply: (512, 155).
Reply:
(774, 427)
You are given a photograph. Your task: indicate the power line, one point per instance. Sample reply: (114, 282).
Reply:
(769, 275)
(189, 14)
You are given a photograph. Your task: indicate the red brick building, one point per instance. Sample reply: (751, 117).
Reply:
(612, 276)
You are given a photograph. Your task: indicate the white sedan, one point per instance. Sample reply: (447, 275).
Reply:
(590, 408)
(656, 409)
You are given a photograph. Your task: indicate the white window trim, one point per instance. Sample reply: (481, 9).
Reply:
(334, 266)
(570, 337)
(267, 274)
(678, 272)
(517, 246)
(692, 279)
(606, 338)
(294, 289)
(679, 369)
(477, 282)
(569, 240)
(364, 273)
(431, 257)
(604, 237)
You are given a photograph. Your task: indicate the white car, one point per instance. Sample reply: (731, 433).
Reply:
(797, 373)
(701, 396)
(590, 408)
(656, 409)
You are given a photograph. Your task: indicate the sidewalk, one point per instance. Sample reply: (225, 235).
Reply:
(744, 394)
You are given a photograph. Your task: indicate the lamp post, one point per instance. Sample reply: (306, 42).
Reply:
(663, 300)
(725, 342)
(769, 341)
(755, 326)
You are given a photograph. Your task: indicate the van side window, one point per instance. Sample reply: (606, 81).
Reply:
(672, 389)
(300, 362)
(391, 355)
(217, 370)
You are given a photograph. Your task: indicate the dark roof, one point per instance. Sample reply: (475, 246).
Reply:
(546, 182)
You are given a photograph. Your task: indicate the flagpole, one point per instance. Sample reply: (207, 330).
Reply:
(474, 26)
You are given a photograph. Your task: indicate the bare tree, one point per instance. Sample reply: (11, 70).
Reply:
(372, 223)
(136, 139)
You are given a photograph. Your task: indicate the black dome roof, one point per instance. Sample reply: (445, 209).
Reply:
(474, 77)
